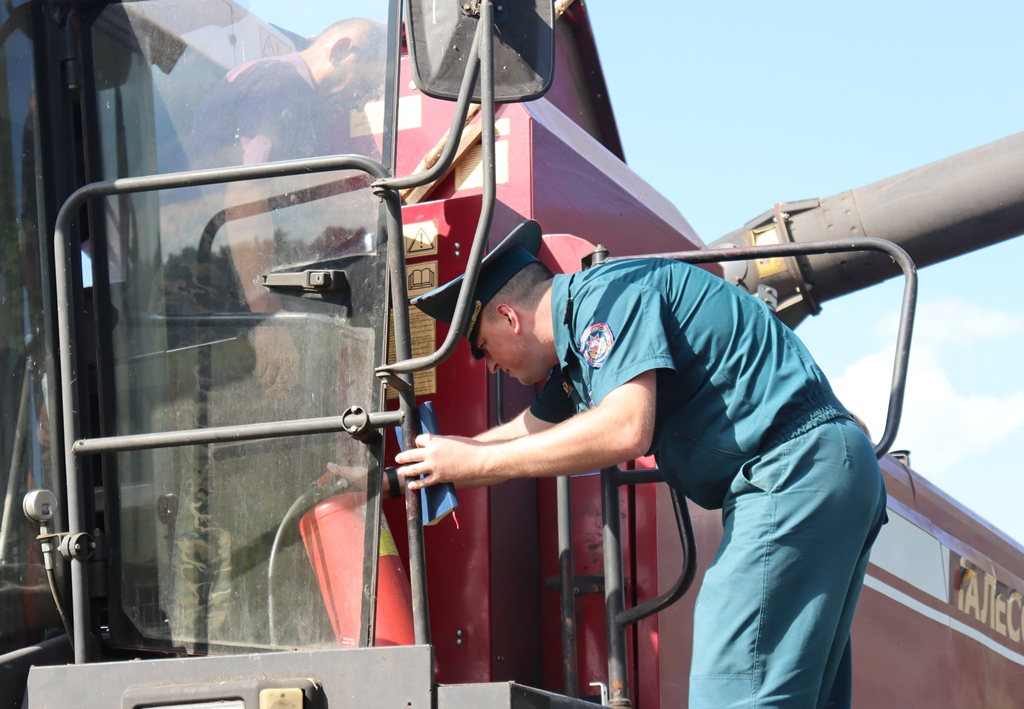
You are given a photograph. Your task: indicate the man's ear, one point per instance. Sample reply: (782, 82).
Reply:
(508, 314)
(340, 50)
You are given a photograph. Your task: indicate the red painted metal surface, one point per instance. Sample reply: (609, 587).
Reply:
(946, 650)
(915, 642)
(561, 176)
(579, 89)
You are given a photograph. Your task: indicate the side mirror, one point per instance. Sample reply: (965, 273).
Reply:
(440, 36)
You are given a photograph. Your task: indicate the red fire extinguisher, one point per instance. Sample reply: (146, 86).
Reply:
(333, 534)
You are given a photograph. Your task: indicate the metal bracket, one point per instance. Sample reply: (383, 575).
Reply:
(364, 426)
(603, 688)
(393, 381)
(77, 546)
(595, 258)
(769, 295)
(781, 221)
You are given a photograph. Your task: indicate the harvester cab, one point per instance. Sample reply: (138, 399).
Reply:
(183, 392)
(211, 310)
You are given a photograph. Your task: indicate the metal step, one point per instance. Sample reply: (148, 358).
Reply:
(502, 695)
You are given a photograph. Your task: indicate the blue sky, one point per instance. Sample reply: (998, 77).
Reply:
(727, 108)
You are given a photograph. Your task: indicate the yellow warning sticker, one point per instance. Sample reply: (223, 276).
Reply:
(767, 266)
(420, 239)
(387, 542)
(422, 277)
(469, 172)
(423, 333)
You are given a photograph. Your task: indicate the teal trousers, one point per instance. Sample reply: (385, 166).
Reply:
(772, 621)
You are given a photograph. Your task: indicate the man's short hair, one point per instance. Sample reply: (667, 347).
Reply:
(522, 289)
(362, 27)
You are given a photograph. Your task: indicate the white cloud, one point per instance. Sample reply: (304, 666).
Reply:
(950, 321)
(943, 423)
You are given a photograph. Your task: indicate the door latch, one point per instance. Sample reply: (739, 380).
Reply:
(316, 281)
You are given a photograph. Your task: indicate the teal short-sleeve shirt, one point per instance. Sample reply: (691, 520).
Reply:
(732, 379)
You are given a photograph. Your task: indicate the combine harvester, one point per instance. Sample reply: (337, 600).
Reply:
(197, 425)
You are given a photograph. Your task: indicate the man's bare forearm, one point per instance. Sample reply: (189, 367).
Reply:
(620, 428)
(595, 439)
(522, 425)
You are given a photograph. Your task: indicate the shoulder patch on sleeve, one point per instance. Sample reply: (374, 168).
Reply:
(596, 343)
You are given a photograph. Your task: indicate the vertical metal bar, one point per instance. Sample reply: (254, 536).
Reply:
(568, 587)
(400, 299)
(69, 415)
(618, 678)
(199, 484)
(407, 403)
(686, 575)
(371, 555)
(897, 387)
(374, 511)
(389, 141)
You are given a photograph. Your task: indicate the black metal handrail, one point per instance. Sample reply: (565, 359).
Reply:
(447, 156)
(686, 576)
(907, 311)
(348, 422)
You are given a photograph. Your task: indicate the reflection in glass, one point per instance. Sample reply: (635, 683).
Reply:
(27, 613)
(197, 339)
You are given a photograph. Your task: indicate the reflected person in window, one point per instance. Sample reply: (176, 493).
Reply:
(285, 107)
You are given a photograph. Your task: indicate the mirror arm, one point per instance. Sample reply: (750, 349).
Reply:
(454, 134)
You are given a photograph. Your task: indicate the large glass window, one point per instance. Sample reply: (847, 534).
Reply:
(196, 340)
(27, 381)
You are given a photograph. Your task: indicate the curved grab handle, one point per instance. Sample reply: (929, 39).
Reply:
(907, 311)
(686, 576)
(447, 156)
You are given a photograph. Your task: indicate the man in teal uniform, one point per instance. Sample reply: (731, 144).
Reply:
(651, 356)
